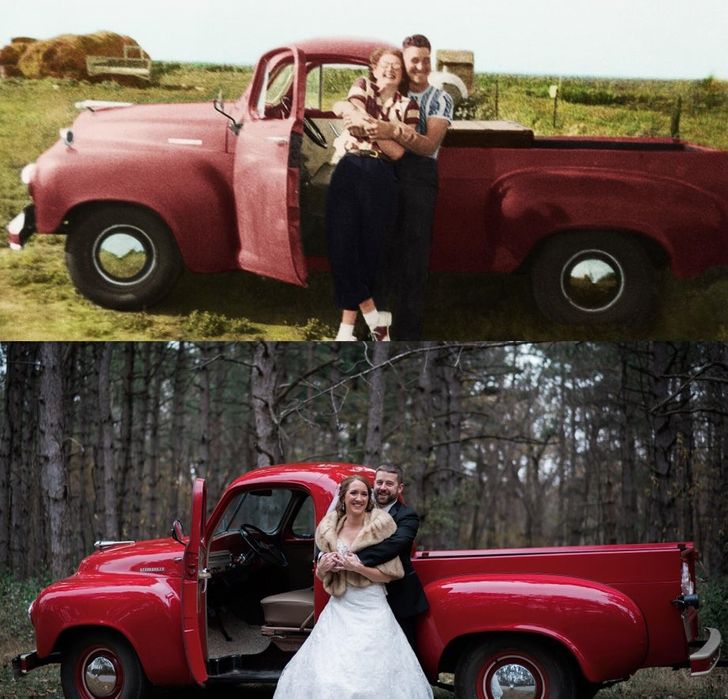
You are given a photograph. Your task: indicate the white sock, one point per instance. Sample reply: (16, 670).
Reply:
(372, 318)
(346, 333)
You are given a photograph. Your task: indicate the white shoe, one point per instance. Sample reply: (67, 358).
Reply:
(346, 333)
(380, 331)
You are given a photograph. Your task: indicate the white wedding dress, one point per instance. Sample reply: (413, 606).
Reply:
(356, 651)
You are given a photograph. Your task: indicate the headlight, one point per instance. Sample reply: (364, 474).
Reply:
(66, 136)
(28, 173)
(686, 584)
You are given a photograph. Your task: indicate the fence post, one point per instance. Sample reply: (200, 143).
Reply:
(675, 120)
(554, 94)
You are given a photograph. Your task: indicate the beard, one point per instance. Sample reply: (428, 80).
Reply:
(384, 499)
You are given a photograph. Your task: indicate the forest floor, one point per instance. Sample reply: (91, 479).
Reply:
(38, 300)
(16, 636)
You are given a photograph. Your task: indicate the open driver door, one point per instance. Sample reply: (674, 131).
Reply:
(267, 168)
(194, 587)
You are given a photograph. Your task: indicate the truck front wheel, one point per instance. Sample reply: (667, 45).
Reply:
(488, 669)
(100, 664)
(122, 257)
(593, 277)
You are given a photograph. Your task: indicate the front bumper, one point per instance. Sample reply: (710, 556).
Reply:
(705, 658)
(23, 664)
(22, 227)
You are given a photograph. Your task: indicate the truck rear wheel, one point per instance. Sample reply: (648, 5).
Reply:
(101, 665)
(122, 257)
(593, 277)
(489, 668)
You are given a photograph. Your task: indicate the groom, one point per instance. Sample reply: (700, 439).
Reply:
(406, 596)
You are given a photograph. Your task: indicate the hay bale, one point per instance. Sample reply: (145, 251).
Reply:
(10, 55)
(65, 56)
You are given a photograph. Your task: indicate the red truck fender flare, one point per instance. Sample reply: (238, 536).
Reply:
(530, 205)
(189, 207)
(602, 628)
(143, 611)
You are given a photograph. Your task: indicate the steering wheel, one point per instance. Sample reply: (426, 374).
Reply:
(313, 132)
(269, 553)
(285, 106)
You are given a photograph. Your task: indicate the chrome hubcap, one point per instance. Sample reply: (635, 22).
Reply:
(513, 677)
(100, 676)
(592, 281)
(124, 254)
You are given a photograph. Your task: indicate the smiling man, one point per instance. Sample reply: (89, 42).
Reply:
(405, 278)
(405, 596)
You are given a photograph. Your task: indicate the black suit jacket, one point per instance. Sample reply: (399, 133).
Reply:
(406, 596)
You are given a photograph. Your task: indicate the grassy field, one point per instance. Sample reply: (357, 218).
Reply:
(16, 637)
(38, 301)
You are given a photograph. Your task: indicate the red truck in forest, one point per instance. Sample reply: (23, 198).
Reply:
(232, 602)
(143, 191)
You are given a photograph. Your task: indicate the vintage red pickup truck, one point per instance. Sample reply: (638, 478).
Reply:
(144, 191)
(230, 603)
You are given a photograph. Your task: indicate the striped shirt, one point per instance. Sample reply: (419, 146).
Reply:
(432, 102)
(397, 108)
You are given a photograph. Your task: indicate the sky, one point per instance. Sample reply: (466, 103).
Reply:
(620, 38)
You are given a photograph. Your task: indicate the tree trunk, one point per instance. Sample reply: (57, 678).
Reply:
(264, 386)
(152, 514)
(178, 468)
(52, 457)
(106, 439)
(375, 418)
(628, 517)
(126, 436)
(665, 440)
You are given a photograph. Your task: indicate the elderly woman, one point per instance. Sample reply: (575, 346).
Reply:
(361, 206)
(356, 648)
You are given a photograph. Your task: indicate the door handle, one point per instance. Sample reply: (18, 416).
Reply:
(204, 574)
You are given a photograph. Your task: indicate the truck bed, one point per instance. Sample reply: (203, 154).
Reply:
(648, 573)
(510, 134)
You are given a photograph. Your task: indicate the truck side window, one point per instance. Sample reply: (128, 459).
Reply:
(274, 102)
(304, 524)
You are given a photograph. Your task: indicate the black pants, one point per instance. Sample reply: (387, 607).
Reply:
(361, 211)
(404, 279)
(409, 625)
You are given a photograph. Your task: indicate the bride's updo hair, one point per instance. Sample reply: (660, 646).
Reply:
(344, 487)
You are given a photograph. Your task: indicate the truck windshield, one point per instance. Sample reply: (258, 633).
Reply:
(328, 83)
(261, 508)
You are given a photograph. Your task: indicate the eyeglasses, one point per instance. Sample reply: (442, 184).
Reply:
(390, 66)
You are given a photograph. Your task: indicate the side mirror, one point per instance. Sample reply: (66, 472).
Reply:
(176, 532)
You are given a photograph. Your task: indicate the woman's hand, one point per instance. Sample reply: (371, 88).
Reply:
(328, 562)
(351, 562)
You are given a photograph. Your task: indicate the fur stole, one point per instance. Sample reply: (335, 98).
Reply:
(378, 526)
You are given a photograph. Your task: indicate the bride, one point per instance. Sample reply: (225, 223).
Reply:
(356, 649)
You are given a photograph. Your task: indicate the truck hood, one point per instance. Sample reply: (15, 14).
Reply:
(158, 557)
(145, 126)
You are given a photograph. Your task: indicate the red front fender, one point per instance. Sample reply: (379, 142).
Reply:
(145, 610)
